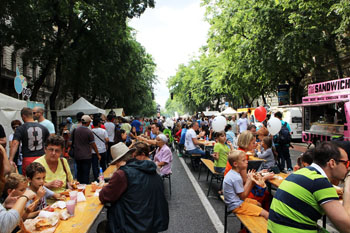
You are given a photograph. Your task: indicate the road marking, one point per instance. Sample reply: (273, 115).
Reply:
(205, 202)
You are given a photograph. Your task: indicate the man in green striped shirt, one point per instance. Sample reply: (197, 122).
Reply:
(306, 195)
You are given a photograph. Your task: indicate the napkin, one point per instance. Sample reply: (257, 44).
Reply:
(80, 197)
(97, 192)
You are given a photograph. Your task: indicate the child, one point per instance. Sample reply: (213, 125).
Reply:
(220, 152)
(304, 160)
(235, 193)
(267, 153)
(15, 183)
(36, 176)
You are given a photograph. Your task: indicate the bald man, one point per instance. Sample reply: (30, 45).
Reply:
(38, 114)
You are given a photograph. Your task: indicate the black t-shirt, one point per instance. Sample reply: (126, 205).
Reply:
(33, 136)
(2, 132)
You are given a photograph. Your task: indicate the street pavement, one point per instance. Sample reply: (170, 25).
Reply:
(186, 209)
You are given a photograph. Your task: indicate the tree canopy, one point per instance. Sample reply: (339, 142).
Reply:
(253, 46)
(89, 47)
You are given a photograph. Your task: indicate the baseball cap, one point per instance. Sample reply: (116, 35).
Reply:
(86, 119)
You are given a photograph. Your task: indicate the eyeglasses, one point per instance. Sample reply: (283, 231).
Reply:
(51, 150)
(345, 162)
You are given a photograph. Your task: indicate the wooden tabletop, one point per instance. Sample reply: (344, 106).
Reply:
(255, 158)
(278, 178)
(207, 143)
(85, 215)
(109, 171)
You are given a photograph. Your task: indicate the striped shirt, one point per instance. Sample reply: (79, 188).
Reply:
(296, 206)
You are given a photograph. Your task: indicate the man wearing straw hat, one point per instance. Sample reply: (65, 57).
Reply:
(136, 194)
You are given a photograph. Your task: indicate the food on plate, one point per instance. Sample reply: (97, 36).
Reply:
(66, 192)
(258, 179)
(74, 184)
(49, 208)
(64, 214)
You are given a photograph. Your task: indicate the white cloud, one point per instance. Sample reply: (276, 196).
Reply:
(172, 35)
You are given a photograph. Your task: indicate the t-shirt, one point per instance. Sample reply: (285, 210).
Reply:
(110, 127)
(136, 124)
(223, 150)
(42, 202)
(83, 138)
(101, 145)
(296, 206)
(188, 139)
(59, 174)
(232, 185)
(268, 156)
(33, 136)
(164, 155)
(230, 136)
(243, 124)
(49, 125)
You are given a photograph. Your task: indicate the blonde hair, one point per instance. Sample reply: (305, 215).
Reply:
(13, 180)
(234, 155)
(244, 139)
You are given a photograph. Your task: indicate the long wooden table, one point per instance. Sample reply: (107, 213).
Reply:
(85, 215)
(254, 224)
(109, 171)
(278, 178)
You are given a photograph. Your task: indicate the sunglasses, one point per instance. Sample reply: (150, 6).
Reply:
(345, 162)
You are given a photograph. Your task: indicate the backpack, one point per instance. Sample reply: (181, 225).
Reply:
(283, 136)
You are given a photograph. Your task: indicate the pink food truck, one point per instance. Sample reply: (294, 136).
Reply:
(326, 111)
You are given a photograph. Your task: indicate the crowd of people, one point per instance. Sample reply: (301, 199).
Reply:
(41, 164)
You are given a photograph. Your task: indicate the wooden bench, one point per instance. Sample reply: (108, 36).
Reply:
(253, 224)
(210, 166)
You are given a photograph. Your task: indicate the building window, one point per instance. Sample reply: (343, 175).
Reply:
(2, 58)
(13, 61)
(25, 67)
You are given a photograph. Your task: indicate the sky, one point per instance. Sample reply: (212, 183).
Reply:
(172, 33)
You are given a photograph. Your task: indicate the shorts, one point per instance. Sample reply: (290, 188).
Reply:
(248, 207)
(26, 161)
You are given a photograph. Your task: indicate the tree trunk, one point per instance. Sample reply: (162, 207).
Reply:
(45, 73)
(263, 98)
(55, 91)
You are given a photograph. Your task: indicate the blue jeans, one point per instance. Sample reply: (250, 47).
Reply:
(219, 169)
(95, 164)
(284, 156)
(196, 151)
(83, 171)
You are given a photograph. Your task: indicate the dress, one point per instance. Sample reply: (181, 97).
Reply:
(296, 206)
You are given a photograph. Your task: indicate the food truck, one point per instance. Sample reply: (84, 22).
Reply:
(293, 116)
(326, 111)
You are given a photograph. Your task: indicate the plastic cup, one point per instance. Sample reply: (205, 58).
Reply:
(73, 195)
(81, 188)
(70, 207)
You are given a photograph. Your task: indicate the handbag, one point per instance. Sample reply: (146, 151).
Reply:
(65, 171)
(71, 150)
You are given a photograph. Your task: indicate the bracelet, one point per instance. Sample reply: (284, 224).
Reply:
(25, 197)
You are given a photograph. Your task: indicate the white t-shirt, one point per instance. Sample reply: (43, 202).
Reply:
(49, 125)
(188, 139)
(110, 127)
(101, 145)
(243, 124)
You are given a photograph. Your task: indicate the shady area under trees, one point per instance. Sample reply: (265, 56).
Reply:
(253, 46)
(89, 47)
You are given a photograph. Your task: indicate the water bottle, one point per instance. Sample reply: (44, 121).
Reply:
(101, 177)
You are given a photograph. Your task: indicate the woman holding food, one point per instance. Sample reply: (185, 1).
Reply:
(9, 219)
(58, 174)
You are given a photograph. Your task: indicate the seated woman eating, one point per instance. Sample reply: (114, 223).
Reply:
(58, 174)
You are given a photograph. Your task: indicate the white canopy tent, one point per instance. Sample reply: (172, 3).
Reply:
(10, 109)
(81, 105)
(229, 112)
(211, 113)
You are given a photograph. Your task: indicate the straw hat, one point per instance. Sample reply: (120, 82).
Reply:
(119, 150)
